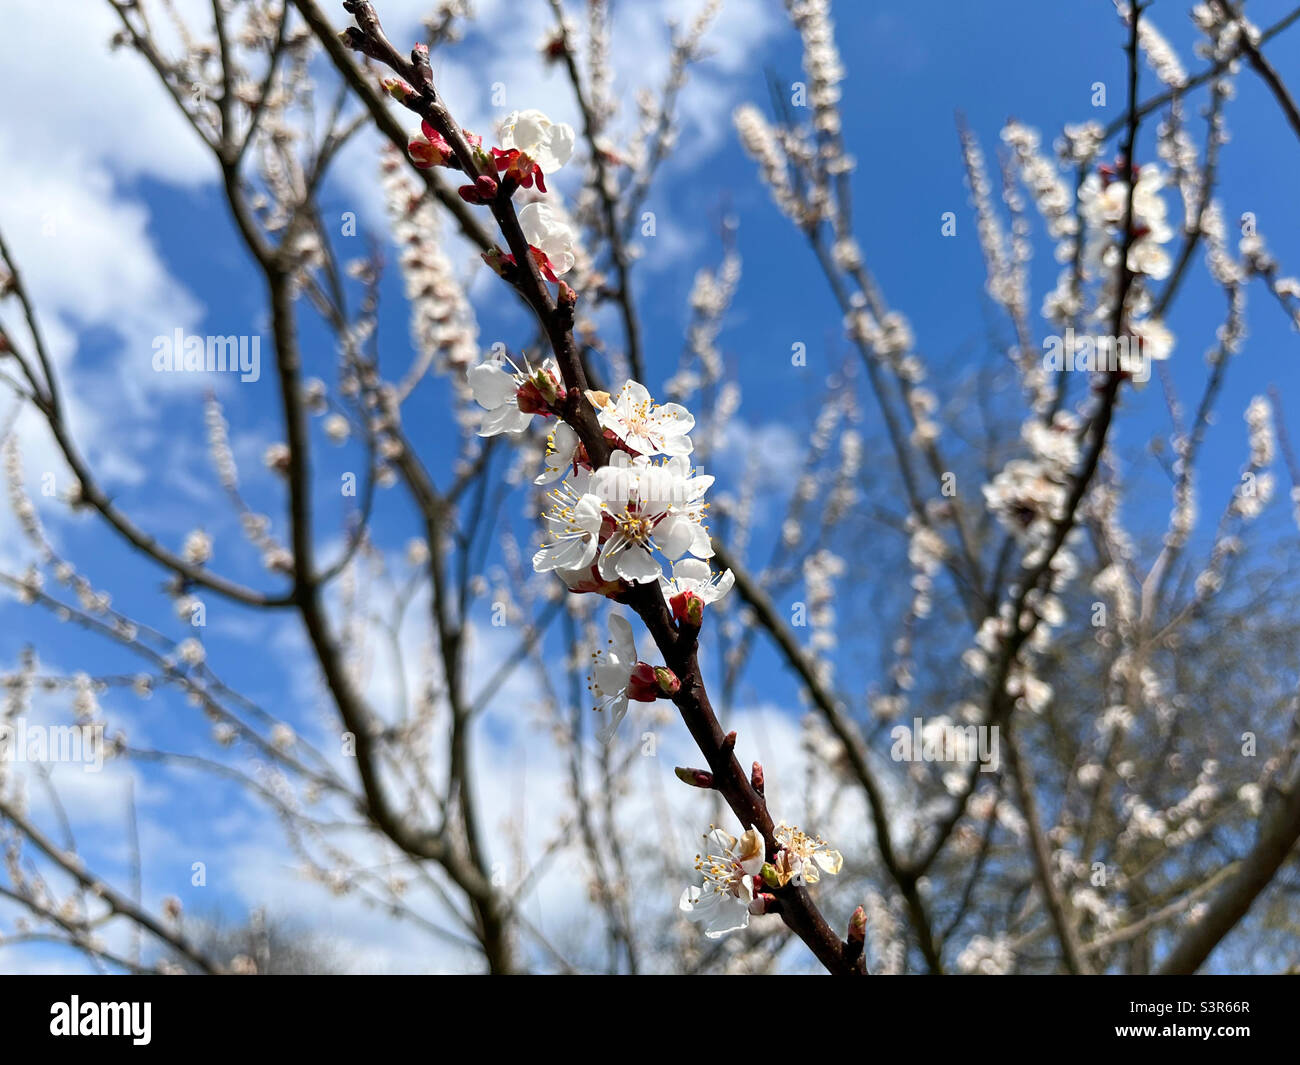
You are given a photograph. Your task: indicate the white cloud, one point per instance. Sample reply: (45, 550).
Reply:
(96, 106)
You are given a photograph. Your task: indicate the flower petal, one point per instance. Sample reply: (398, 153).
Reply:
(491, 385)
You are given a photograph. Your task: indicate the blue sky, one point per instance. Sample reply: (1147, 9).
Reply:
(141, 244)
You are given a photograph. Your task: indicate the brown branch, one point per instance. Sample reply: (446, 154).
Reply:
(116, 902)
(1262, 66)
(678, 646)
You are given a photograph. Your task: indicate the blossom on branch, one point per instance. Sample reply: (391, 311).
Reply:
(532, 146)
(650, 507)
(692, 587)
(725, 900)
(563, 452)
(803, 858)
(574, 523)
(511, 398)
(617, 677)
(550, 237)
(646, 427)
(1103, 204)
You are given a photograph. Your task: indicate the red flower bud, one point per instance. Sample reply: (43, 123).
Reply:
(398, 89)
(554, 48)
(643, 685)
(858, 926)
(429, 149)
(484, 190)
(696, 778)
(688, 608)
(530, 399)
(667, 680)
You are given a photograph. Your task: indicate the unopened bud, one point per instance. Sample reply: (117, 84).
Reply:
(688, 608)
(667, 680)
(858, 926)
(499, 261)
(531, 399)
(546, 386)
(729, 742)
(554, 48)
(643, 683)
(696, 778)
(430, 149)
(568, 297)
(756, 778)
(483, 190)
(398, 89)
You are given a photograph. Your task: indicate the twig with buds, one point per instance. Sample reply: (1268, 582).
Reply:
(677, 643)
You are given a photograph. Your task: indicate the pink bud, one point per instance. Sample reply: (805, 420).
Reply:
(499, 261)
(696, 778)
(667, 680)
(858, 926)
(688, 608)
(429, 149)
(643, 685)
(483, 190)
(398, 89)
(530, 400)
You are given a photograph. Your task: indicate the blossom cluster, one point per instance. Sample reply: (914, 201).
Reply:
(639, 519)
(531, 146)
(734, 872)
(1103, 203)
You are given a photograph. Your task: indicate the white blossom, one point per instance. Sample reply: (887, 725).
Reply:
(497, 390)
(722, 903)
(695, 576)
(546, 230)
(611, 675)
(548, 144)
(573, 524)
(645, 426)
(198, 548)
